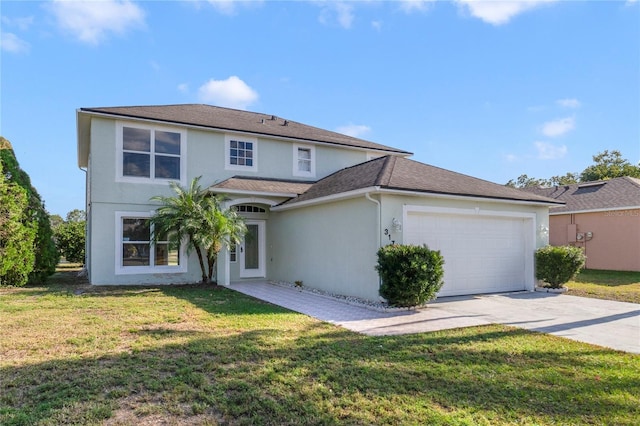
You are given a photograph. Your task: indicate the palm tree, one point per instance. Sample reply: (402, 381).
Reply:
(198, 219)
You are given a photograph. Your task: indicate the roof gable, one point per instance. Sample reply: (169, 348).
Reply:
(616, 193)
(404, 175)
(227, 119)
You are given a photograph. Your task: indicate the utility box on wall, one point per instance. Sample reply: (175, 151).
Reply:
(572, 231)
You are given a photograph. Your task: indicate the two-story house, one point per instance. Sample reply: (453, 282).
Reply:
(318, 204)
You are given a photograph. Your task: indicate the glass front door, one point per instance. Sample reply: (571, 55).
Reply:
(252, 256)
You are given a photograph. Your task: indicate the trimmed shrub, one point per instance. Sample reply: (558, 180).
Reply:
(411, 275)
(556, 265)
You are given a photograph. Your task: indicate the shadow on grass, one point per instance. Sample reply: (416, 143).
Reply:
(315, 373)
(325, 376)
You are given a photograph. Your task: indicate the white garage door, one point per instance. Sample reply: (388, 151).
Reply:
(482, 254)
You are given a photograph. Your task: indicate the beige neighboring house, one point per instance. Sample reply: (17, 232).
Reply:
(601, 217)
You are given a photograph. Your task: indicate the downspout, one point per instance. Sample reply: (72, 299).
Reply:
(86, 225)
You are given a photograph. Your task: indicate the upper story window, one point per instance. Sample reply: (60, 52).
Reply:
(151, 154)
(241, 153)
(304, 160)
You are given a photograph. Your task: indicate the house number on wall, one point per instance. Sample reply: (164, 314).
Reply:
(388, 234)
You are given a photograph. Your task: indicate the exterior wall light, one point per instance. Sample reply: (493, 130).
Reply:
(396, 226)
(543, 230)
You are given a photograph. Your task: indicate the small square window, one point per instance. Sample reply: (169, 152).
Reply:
(241, 154)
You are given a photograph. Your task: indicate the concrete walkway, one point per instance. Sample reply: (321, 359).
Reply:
(601, 322)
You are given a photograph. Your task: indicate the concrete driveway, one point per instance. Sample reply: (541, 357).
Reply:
(605, 323)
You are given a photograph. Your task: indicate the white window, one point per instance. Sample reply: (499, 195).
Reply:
(304, 160)
(233, 253)
(241, 153)
(136, 253)
(150, 154)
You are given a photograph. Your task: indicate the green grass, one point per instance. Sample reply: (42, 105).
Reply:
(75, 354)
(611, 285)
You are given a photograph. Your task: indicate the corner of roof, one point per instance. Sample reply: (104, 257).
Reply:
(386, 171)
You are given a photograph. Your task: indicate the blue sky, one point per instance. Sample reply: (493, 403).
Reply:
(489, 89)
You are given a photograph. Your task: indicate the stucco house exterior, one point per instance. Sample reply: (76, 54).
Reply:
(318, 204)
(601, 217)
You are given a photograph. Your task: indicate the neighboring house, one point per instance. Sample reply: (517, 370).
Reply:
(317, 204)
(601, 217)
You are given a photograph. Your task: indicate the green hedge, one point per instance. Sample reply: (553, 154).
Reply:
(556, 265)
(411, 275)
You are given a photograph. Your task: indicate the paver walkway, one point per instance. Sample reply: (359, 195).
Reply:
(601, 322)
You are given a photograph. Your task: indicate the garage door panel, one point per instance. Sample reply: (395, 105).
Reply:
(482, 254)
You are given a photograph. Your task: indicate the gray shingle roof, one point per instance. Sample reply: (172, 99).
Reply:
(236, 120)
(401, 174)
(263, 185)
(617, 193)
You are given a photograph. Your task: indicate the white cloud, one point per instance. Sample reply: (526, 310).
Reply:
(343, 13)
(499, 12)
(511, 158)
(415, 5)
(21, 23)
(231, 93)
(92, 21)
(558, 127)
(569, 103)
(547, 151)
(354, 130)
(229, 7)
(10, 42)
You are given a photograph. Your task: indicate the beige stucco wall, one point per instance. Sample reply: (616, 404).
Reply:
(616, 237)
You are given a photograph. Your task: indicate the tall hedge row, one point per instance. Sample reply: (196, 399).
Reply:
(27, 250)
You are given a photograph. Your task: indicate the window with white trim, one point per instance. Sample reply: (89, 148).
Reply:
(304, 160)
(135, 250)
(150, 154)
(241, 153)
(233, 253)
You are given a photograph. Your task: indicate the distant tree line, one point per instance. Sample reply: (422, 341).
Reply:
(606, 165)
(69, 235)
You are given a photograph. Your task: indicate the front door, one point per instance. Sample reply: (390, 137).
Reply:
(252, 251)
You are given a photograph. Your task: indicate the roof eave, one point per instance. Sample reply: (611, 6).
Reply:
(327, 199)
(600, 210)
(379, 190)
(83, 129)
(467, 197)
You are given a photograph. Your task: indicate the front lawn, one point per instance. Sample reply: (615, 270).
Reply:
(73, 354)
(612, 285)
